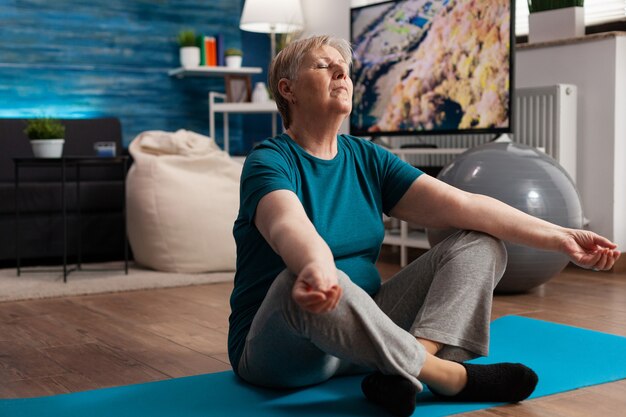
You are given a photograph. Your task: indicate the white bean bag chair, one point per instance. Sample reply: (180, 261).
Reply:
(182, 196)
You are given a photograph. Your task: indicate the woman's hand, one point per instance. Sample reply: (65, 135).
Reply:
(284, 224)
(316, 289)
(589, 250)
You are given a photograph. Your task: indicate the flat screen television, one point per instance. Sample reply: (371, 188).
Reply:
(432, 67)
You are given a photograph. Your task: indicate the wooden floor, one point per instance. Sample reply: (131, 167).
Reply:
(79, 343)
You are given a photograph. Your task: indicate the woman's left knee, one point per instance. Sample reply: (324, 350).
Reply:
(495, 250)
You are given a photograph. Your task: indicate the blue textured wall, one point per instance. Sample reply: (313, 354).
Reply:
(85, 58)
(257, 127)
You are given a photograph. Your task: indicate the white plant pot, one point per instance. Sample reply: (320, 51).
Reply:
(551, 25)
(189, 56)
(47, 148)
(234, 61)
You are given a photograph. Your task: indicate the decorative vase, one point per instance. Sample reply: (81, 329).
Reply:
(259, 94)
(551, 25)
(189, 56)
(234, 61)
(47, 148)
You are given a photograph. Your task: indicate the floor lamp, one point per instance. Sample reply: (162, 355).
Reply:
(272, 16)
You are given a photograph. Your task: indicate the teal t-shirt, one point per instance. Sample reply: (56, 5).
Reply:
(343, 197)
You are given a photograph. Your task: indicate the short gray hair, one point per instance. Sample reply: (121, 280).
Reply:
(288, 61)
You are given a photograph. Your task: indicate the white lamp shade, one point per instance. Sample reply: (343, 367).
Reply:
(272, 16)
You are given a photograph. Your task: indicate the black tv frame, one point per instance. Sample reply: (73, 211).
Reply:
(441, 132)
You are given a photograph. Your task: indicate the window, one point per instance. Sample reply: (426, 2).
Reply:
(596, 12)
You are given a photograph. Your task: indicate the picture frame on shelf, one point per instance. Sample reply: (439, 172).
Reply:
(238, 88)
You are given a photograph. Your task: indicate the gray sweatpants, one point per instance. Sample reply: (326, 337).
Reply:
(445, 296)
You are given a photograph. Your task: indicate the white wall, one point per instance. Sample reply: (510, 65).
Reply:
(328, 17)
(619, 187)
(591, 65)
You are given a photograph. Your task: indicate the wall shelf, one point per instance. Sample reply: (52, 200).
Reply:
(269, 107)
(218, 105)
(204, 71)
(217, 102)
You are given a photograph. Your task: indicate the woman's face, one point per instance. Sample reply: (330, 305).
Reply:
(323, 84)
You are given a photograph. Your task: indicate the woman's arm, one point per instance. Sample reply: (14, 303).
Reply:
(433, 203)
(283, 223)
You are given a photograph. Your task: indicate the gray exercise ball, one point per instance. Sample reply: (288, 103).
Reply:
(528, 180)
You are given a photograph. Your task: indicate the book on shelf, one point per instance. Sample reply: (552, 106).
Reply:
(219, 41)
(200, 44)
(208, 50)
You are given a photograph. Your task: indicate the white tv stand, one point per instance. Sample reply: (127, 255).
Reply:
(399, 233)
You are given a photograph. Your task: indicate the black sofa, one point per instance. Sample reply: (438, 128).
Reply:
(41, 222)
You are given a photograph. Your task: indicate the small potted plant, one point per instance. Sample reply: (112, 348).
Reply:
(47, 137)
(550, 20)
(189, 51)
(233, 57)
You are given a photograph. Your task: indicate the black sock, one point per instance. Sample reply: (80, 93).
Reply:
(393, 392)
(498, 382)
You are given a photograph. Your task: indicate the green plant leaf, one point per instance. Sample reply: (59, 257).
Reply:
(535, 6)
(45, 128)
(233, 52)
(187, 37)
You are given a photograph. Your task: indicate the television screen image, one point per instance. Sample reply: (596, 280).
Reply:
(428, 67)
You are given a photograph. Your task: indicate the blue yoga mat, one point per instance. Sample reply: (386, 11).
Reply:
(564, 357)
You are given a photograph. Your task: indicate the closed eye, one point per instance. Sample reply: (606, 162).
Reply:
(327, 66)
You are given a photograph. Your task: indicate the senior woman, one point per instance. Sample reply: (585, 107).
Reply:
(308, 303)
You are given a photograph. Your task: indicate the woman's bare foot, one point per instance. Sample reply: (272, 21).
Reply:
(446, 377)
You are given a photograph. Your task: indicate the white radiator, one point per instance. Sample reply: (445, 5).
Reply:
(543, 117)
